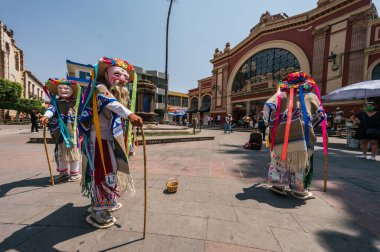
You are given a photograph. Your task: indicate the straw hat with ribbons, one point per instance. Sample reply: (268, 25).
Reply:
(52, 85)
(105, 62)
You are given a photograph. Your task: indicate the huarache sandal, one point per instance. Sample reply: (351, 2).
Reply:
(307, 195)
(278, 190)
(101, 219)
(115, 208)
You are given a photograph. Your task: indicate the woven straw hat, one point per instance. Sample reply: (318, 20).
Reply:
(105, 62)
(52, 85)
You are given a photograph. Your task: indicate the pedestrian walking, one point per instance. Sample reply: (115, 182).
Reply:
(246, 120)
(368, 131)
(34, 120)
(261, 124)
(227, 124)
(218, 117)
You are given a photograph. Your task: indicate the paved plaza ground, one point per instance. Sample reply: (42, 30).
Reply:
(222, 203)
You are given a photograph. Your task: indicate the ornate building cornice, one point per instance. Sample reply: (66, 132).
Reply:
(284, 24)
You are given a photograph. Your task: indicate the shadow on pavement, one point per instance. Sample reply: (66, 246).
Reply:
(59, 226)
(336, 241)
(263, 195)
(54, 232)
(35, 182)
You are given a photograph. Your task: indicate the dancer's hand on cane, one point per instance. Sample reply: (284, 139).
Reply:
(135, 120)
(44, 120)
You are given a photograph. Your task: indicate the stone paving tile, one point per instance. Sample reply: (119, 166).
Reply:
(61, 199)
(131, 241)
(186, 245)
(12, 235)
(183, 226)
(200, 187)
(263, 218)
(65, 216)
(130, 221)
(322, 241)
(67, 187)
(341, 225)
(243, 234)
(224, 247)
(61, 239)
(23, 198)
(18, 214)
(160, 206)
(209, 211)
(181, 195)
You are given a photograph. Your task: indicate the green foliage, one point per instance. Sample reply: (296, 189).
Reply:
(26, 105)
(9, 91)
(159, 112)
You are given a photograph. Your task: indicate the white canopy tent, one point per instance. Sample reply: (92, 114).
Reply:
(361, 90)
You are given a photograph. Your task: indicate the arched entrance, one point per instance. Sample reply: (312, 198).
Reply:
(265, 62)
(205, 108)
(193, 108)
(376, 73)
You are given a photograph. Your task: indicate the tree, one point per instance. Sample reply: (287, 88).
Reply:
(26, 105)
(10, 93)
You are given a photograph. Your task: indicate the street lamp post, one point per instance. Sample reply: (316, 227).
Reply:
(166, 117)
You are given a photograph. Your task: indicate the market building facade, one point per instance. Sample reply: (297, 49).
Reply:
(338, 43)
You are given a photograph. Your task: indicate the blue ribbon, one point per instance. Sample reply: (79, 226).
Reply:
(305, 116)
(64, 131)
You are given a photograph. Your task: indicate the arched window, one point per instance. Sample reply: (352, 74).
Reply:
(376, 72)
(269, 64)
(206, 104)
(194, 103)
(206, 100)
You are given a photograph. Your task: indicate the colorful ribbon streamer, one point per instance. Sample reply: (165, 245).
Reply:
(132, 108)
(324, 123)
(277, 119)
(288, 122)
(97, 129)
(305, 117)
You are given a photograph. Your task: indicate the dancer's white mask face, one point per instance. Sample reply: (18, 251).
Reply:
(65, 91)
(117, 75)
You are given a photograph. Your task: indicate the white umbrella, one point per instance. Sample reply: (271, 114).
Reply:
(359, 90)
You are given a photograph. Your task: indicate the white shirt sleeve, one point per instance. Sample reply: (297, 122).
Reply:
(49, 114)
(119, 109)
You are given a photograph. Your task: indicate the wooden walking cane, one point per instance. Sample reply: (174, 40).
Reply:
(47, 157)
(145, 196)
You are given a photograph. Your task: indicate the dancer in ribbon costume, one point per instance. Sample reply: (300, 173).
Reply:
(61, 116)
(107, 171)
(293, 113)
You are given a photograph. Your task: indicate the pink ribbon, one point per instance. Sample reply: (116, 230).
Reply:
(324, 123)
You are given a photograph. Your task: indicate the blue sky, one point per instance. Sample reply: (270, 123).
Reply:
(49, 32)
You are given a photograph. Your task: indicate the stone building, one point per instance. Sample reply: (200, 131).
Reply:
(12, 68)
(32, 87)
(337, 42)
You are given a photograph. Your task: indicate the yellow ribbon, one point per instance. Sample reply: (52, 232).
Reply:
(97, 128)
(76, 113)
